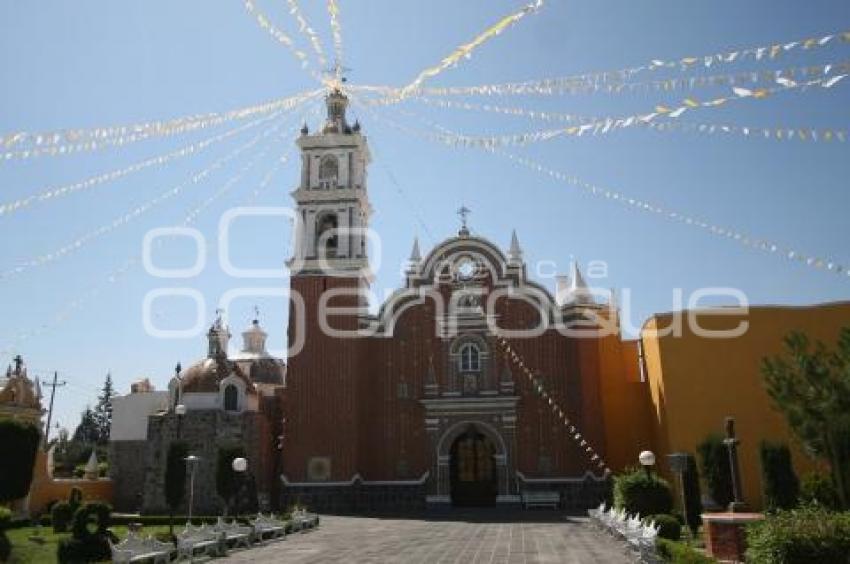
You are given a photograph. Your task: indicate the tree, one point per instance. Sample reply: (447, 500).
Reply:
(87, 431)
(175, 479)
(693, 496)
(226, 480)
(781, 487)
(103, 410)
(18, 448)
(714, 466)
(810, 385)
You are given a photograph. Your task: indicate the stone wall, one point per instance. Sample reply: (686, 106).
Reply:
(205, 431)
(127, 470)
(355, 498)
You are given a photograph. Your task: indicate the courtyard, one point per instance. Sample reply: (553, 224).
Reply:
(475, 537)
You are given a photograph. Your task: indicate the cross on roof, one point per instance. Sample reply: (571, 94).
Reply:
(336, 71)
(463, 212)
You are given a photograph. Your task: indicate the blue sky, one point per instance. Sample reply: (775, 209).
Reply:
(70, 64)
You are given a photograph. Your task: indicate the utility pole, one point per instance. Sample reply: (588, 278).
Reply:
(53, 387)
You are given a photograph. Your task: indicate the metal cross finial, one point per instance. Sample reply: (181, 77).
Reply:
(337, 71)
(463, 212)
(256, 313)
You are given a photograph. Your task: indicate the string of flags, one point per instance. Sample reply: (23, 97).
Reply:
(26, 144)
(753, 132)
(538, 388)
(118, 273)
(552, 86)
(336, 32)
(744, 239)
(758, 244)
(87, 238)
(51, 193)
(280, 37)
(661, 112)
(465, 51)
(304, 27)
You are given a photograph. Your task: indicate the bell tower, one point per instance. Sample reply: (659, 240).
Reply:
(329, 276)
(332, 200)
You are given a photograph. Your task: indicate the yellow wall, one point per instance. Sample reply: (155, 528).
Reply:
(45, 489)
(696, 381)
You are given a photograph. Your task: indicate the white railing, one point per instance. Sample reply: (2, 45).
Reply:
(639, 536)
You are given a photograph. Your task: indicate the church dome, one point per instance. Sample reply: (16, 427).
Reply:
(267, 371)
(206, 375)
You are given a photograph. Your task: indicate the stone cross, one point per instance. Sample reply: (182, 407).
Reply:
(731, 441)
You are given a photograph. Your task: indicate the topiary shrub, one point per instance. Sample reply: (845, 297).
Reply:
(90, 540)
(669, 526)
(679, 553)
(693, 496)
(5, 545)
(810, 534)
(780, 485)
(714, 467)
(91, 520)
(61, 516)
(817, 489)
(642, 494)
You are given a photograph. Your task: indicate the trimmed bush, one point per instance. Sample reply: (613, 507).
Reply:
(5, 545)
(642, 494)
(714, 467)
(781, 488)
(73, 551)
(678, 553)
(693, 496)
(810, 534)
(90, 521)
(818, 489)
(61, 516)
(669, 526)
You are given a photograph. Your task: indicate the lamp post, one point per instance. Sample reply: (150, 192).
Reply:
(239, 465)
(193, 464)
(647, 460)
(180, 411)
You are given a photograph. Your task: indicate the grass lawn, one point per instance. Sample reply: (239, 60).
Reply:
(26, 551)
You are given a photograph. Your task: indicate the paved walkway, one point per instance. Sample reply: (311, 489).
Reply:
(447, 539)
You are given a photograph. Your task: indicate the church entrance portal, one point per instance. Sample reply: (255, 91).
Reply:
(474, 480)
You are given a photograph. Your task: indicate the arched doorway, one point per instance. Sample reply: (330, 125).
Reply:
(473, 475)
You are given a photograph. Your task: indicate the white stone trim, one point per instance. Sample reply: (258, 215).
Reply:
(561, 479)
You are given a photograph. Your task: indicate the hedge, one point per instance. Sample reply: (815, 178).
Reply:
(642, 494)
(678, 553)
(806, 535)
(669, 526)
(818, 489)
(714, 467)
(781, 488)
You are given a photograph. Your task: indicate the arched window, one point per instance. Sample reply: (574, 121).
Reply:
(328, 171)
(470, 358)
(326, 234)
(231, 398)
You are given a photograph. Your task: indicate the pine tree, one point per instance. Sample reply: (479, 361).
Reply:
(103, 410)
(87, 431)
(811, 386)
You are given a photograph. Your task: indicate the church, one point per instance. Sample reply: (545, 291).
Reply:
(469, 385)
(419, 404)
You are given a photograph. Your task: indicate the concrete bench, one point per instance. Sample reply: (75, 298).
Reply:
(541, 499)
(195, 541)
(141, 549)
(267, 527)
(302, 520)
(234, 534)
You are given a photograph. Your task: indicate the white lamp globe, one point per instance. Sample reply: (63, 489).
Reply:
(240, 465)
(647, 458)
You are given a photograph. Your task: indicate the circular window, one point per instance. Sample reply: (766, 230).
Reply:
(465, 269)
